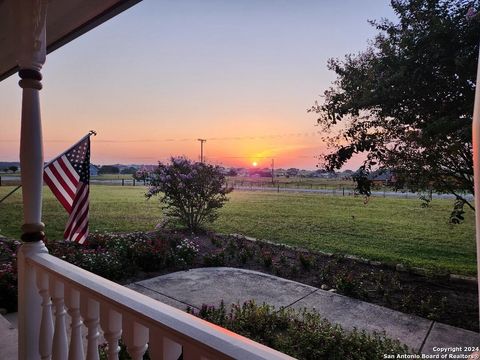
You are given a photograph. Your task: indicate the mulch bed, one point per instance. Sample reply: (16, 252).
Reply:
(432, 296)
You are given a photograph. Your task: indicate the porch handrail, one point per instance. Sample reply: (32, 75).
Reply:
(205, 340)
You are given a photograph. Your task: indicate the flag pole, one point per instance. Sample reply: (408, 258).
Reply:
(90, 133)
(10, 193)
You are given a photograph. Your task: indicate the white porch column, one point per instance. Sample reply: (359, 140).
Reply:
(31, 54)
(476, 166)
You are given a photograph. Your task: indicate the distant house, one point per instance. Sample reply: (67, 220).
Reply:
(383, 177)
(93, 170)
(324, 174)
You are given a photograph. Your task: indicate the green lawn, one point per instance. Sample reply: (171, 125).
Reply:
(388, 229)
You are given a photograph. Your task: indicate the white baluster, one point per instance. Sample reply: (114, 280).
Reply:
(171, 349)
(89, 309)
(72, 301)
(46, 324)
(111, 322)
(135, 336)
(60, 342)
(161, 347)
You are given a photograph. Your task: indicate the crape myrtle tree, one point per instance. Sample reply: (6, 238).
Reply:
(406, 102)
(191, 192)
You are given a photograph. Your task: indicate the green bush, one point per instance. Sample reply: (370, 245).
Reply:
(191, 192)
(214, 260)
(186, 251)
(150, 254)
(301, 334)
(8, 274)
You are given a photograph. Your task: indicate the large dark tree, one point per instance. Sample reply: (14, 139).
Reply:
(407, 100)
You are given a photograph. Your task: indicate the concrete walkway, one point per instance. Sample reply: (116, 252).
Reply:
(210, 285)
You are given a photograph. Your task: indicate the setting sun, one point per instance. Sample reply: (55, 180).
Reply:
(254, 164)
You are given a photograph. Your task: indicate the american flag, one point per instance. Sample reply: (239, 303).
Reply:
(68, 177)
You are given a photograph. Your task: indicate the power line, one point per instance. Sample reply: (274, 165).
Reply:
(225, 138)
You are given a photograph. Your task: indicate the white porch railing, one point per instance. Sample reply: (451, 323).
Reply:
(140, 321)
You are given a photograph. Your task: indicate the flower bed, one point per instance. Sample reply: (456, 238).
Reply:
(117, 257)
(304, 335)
(301, 334)
(131, 257)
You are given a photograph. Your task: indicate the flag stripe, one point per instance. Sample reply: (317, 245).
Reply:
(81, 230)
(80, 202)
(77, 225)
(75, 220)
(63, 197)
(80, 198)
(61, 181)
(71, 186)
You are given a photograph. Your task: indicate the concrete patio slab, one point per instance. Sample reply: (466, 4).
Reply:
(351, 313)
(210, 285)
(445, 336)
(154, 294)
(8, 340)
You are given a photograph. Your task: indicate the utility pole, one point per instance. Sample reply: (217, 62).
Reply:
(273, 171)
(201, 148)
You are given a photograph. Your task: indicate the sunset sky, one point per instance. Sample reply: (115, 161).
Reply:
(153, 80)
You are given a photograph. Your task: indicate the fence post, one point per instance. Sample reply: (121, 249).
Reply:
(123, 182)
(343, 191)
(133, 182)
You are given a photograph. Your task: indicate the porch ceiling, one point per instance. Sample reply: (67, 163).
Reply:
(66, 20)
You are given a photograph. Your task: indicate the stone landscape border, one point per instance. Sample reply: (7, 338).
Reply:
(454, 278)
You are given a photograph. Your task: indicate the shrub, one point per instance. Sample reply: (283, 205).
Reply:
(346, 284)
(244, 255)
(213, 260)
(306, 262)
(191, 192)
(149, 254)
(102, 262)
(122, 355)
(186, 251)
(8, 286)
(301, 334)
(267, 259)
(8, 274)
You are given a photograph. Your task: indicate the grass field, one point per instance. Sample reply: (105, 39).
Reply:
(294, 181)
(387, 229)
(98, 177)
